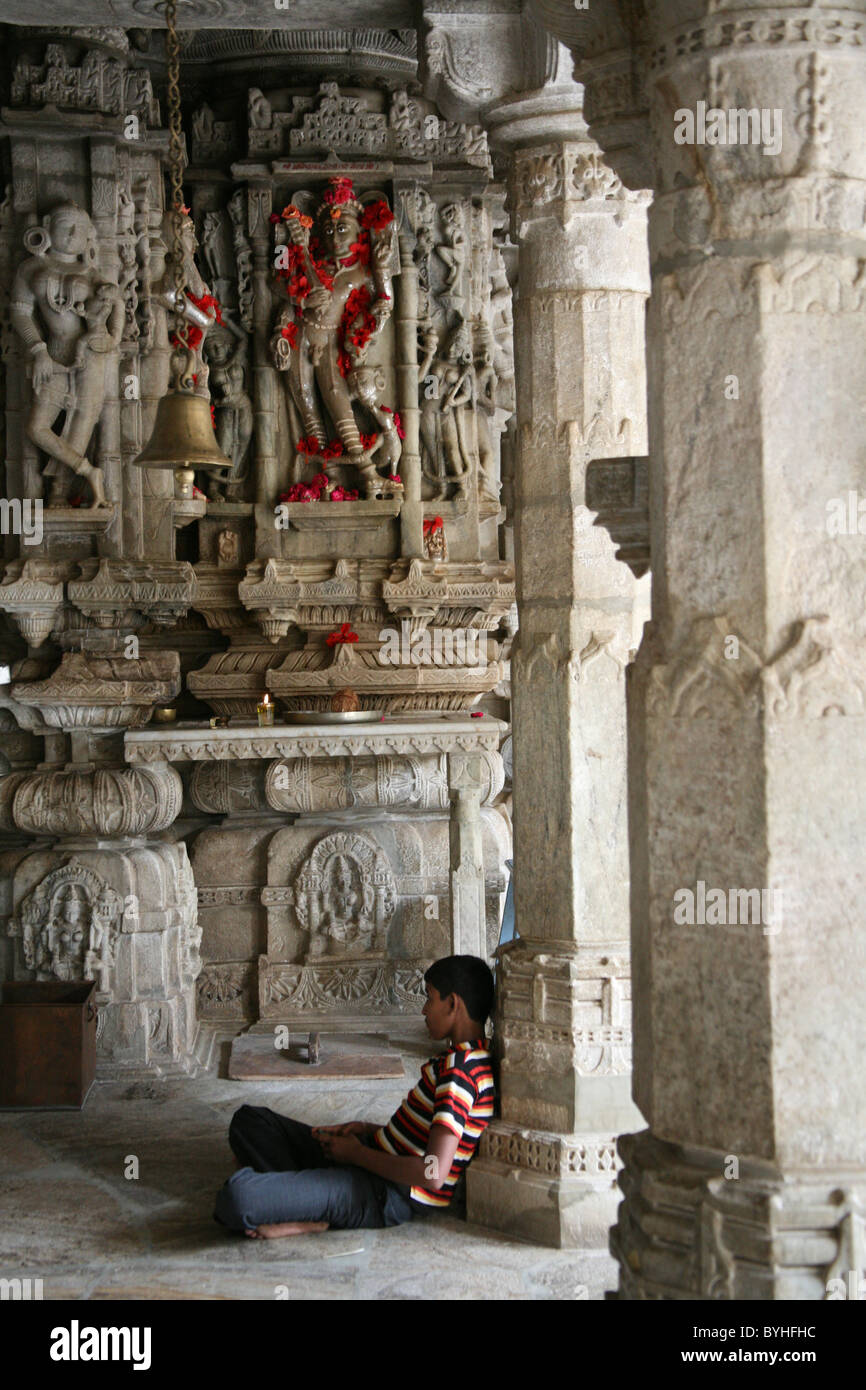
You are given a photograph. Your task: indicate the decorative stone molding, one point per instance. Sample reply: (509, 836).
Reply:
(359, 125)
(101, 83)
(226, 990)
(819, 672)
(553, 1155)
(32, 594)
(332, 990)
(445, 734)
(102, 692)
(228, 788)
(160, 590)
(764, 1236)
(304, 785)
(102, 801)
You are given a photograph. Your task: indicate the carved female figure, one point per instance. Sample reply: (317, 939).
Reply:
(50, 295)
(447, 420)
(227, 356)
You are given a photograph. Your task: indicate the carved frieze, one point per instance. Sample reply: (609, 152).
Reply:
(551, 1155)
(330, 989)
(103, 801)
(819, 672)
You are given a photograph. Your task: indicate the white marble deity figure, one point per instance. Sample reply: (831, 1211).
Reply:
(447, 424)
(453, 250)
(68, 932)
(340, 292)
(486, 384)
(367, 385)
(346, 921)
(226, 353)
(52, 294)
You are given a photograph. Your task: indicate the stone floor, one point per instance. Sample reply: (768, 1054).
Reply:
(69, 1215)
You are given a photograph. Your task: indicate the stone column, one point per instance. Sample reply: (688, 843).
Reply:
(468, 908)
(547, 1169)
(747, 703)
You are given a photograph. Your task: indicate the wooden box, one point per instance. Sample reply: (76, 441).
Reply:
(47, 1044)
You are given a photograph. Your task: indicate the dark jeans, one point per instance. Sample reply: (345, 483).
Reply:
(289, 1178)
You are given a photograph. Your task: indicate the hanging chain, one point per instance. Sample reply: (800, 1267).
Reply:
(175, 169)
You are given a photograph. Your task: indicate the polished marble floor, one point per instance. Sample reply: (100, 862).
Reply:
(70, 1216)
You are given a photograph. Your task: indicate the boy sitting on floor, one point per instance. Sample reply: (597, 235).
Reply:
(293, 1179)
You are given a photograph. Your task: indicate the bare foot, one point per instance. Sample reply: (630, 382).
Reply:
(286, 1228)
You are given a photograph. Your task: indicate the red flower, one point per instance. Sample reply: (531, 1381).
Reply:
(274, 218)
(434, 524)
(395, 478)
(377, 216)
(345, 634)
(368, 440)
(398, 425)
(320, 480)
(308, 446)
(290, 333)
(339, 191)
(332, 450)
(344, 494)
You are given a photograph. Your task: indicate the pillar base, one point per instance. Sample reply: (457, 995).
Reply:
(700, 1224)
(551, 1189)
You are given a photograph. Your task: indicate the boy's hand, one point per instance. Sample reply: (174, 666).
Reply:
(341, 1148)
(353, 1127)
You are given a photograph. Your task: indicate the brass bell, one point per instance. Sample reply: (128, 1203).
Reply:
(183, 436)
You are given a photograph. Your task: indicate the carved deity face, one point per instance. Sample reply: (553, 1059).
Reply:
(70, 231)
(69, 926)
(338, 233)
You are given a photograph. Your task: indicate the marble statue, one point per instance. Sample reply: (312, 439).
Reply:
(69, 315)
(447, 427)
(226, 354)
(339, 284)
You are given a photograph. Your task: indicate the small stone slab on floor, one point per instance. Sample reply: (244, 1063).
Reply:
(254, 1057)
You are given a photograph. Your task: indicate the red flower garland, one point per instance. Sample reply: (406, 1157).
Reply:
(377, 216)
(193, 334)
(433, 524)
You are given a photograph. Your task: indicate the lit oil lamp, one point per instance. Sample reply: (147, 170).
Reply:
(265, 711)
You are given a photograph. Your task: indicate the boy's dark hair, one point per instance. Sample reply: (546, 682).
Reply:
(468, 976)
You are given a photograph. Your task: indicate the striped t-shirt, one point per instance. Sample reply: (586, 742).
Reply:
(455, 1090)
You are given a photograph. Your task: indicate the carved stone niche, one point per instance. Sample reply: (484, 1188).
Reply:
(128, 920)
(69, 925)
(344, 898)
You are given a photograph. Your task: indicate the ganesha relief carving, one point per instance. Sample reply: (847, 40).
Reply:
(68, 925)
(345, 897)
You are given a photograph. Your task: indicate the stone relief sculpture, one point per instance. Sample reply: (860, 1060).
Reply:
(344, 897)
(339, 285)
(68, 925)
(226, 355)
(448, 437)
(69, 315)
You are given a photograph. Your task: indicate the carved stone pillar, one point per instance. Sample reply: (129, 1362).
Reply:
(748, 761)
(468, 917)
(547, 1169)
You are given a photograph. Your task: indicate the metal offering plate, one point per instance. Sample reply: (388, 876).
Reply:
(329, 716)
